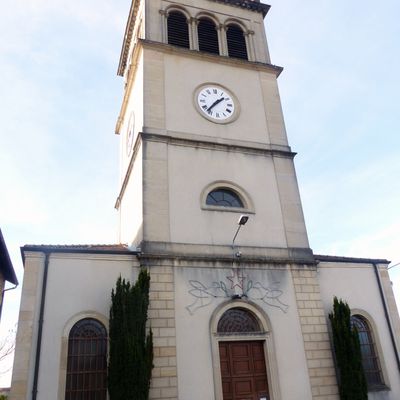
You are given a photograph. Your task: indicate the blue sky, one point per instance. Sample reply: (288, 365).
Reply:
(60, 97)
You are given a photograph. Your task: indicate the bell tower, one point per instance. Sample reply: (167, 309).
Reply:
(203, 138)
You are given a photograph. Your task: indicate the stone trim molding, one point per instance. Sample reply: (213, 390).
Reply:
(218, 254)
(228, 146)
(254, 65)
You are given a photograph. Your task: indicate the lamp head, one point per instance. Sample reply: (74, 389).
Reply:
(243, 219)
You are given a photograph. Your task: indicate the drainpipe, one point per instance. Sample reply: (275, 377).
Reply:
(2, 297)
(40, 327)
(378, 279)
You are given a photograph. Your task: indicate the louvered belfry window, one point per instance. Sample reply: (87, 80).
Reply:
(87, 361)
(236, 42)
(208, 36)
(178, 29)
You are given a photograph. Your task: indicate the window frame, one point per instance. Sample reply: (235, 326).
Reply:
(62, 377)
(247, 208)
(209, 18)
(236, 25)
(377, 348)
(80, 359)
(184, 14)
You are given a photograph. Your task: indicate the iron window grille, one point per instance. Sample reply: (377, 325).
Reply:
(370, 360)
(87, 361)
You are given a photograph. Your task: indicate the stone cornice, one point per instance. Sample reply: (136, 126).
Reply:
(211, 144)
(204, 255)
(253, 5)
(201, 142)
(126, 44)
(215, 58)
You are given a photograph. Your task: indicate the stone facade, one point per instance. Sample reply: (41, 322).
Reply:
(172, 158)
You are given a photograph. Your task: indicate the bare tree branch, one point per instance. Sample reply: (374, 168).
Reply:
(7, 347)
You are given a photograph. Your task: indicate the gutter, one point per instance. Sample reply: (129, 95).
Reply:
(2, 297)
(40, 328)
(378, 279)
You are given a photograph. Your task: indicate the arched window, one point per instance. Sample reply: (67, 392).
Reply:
(178, 29)
(238, 320)
(87, 361)
(236, 42)
(223, 197)
(208, 36)
(370, 360)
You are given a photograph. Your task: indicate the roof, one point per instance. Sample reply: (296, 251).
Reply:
(356, 260)
(254, 5)
(80, 248)
(6, 266)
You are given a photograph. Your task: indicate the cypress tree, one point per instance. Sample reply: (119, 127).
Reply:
(352, 383)
(131, 349)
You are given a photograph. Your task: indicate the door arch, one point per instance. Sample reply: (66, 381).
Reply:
(244, 361)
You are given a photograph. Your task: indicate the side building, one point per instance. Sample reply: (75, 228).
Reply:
(7, 273)
(209, 204)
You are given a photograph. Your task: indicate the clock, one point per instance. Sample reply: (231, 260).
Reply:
(216, 103)
(130, 133)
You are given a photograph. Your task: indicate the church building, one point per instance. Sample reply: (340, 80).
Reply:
(209, 203)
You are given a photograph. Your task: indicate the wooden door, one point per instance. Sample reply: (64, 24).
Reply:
(244, 376)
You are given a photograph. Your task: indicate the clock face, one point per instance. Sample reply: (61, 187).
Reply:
(130, 134)
(216, 103)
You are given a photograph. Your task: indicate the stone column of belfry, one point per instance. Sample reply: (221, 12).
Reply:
(223, 43)
(250, 45)
(164, 26)
(314, 327)
(194, 39)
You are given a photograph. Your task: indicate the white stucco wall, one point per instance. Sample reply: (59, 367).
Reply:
(77, 285)
(187, 180)
(356, 284)
(194, 352)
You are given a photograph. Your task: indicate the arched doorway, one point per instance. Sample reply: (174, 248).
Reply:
(243, 354)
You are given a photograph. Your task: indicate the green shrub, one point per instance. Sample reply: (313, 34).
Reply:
(131, 349)
(352, 383)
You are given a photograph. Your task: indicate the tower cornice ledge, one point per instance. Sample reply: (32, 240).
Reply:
(128, 36)
(206, 254)
(254, 5)
(201, 142)
(207, 142)
(216, 58)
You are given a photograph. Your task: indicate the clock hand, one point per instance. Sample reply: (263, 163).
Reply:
(215, 103)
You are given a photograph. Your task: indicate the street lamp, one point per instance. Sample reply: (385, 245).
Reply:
(241, 221)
